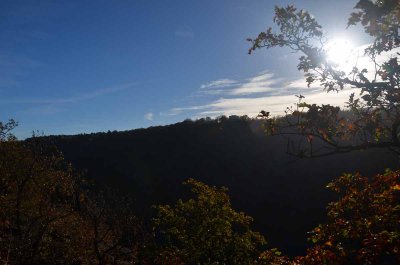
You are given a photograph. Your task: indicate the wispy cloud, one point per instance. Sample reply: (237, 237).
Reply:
(260, 83)
(73, 99)
(274, 104)
(224, 82)
(273, 93)
(42, 110)
(264, 91)
(263, 82)
(296, 84)
(177, 111)
(149, 116)
(216, 87)
(245, 96)
(13, 67)
(253, 105)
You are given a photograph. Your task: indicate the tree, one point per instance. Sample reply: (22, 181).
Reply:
(5, 130)
(50, 214)
(38, 220)
(363, 225)
(112, 229)
(374, 118)
(206, 230)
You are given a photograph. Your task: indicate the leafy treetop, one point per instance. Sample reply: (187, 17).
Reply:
(206, 230)
(374, 118)
(362, 226)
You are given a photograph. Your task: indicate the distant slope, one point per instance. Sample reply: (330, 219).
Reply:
(287, 198)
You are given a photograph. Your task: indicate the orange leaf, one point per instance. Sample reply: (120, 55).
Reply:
(396, 187)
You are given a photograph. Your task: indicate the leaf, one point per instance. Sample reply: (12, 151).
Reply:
(396, 187)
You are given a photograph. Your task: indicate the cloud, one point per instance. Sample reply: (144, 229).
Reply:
(177, 111)
(218, 86)
(149, 116)
(264, 91)
(268, 91)
(260, 83)
(297, 84)
(263, 82)
(357, 58)
(72, 99)
(274, 104)
(14, 66)
(224, 82)
(49, 109)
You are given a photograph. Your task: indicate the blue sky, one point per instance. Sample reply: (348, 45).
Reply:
(70, 67)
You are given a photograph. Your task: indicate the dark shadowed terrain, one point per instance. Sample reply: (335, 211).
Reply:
(286, 196)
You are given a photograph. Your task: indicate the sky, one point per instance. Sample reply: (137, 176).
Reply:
(69, 67)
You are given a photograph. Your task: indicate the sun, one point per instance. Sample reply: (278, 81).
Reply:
(339, 51)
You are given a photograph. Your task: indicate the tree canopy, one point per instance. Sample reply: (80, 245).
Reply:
(50, 214)
(207, 230)
(362, 226)
(374, 119)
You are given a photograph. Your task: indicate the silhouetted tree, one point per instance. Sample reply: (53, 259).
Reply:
(375, 113)
(49, 214)
(150, 164)
(5, 130)
(114, 232)
(38, 221)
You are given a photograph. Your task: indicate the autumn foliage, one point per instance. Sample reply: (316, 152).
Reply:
(374, 114)
(50, 214)
(363, 225)
(206, 229)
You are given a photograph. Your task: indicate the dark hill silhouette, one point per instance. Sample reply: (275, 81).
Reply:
(286, 196)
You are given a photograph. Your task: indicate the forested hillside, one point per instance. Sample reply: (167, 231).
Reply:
(286, 195)
(310, 183)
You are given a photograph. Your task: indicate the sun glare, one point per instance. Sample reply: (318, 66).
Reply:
(339, 51)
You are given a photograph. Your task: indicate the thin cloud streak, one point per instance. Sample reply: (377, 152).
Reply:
(217, 87)
(297, 84)
(224, 82)
(266, 91)
(260, 83)
(264, 82)
(14, 66)
(177, 111)
(274, 104)
(73, 99)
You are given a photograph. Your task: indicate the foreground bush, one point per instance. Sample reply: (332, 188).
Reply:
(363, 226)
(206, 230)
(50, 215)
